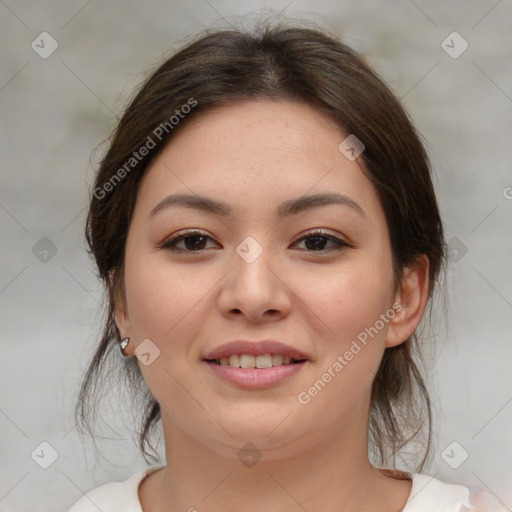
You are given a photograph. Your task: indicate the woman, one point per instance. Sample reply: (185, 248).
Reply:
(267, 229)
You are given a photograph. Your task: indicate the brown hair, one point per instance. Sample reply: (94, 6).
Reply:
(275, 63)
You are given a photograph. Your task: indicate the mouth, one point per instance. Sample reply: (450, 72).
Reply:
(255, 364)
(260, 362)
(255, 372)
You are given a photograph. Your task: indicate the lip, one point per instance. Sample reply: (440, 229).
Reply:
(255, 348)
(254, 378)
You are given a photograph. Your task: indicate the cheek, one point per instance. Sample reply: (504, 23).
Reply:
(346, 301)
(165, 306)
(348, 357)
(346, 307)
(160, 296)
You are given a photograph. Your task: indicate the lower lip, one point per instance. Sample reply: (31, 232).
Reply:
(256, 377)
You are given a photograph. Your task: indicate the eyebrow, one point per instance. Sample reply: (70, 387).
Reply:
(290, 207)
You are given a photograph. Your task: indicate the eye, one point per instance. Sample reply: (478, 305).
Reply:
(316, 241)
(194, 242)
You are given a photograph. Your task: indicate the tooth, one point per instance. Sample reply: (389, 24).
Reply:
(251, 361)
(247, 361)
(234, 360)
(277, 360)
(264, 361)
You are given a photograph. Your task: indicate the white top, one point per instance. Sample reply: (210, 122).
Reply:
(428, 494)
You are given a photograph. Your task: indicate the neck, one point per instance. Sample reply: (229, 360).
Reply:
(317, 473)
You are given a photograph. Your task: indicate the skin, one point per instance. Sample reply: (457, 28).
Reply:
(254, 155)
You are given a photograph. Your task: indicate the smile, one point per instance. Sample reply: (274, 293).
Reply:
(250, 376)
(251, 361)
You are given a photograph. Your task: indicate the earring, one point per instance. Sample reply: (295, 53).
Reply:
(123, 344)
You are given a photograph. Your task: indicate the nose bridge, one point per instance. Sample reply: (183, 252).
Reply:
(254, 286)
(252, 261)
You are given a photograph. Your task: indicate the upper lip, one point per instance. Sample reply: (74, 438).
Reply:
(255, 348)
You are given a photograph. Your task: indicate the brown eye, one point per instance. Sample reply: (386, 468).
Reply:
(196, 241)
(193, 241)
(317, 240)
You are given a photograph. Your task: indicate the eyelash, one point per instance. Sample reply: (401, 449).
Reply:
(170, 243)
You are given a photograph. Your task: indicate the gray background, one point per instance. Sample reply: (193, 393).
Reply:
(56, 111)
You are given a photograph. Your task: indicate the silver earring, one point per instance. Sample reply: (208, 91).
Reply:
(123, 344)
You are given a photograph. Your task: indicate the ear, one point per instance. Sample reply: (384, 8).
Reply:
(412, 295)
(120, 313)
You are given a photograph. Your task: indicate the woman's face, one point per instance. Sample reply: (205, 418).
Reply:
(259, 273)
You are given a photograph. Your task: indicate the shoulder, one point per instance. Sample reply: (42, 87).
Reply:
(114, 496)
(430, 494)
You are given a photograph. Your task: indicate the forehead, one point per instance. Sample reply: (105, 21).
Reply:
(255, 154)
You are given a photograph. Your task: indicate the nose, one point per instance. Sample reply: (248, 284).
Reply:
(255, 289)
